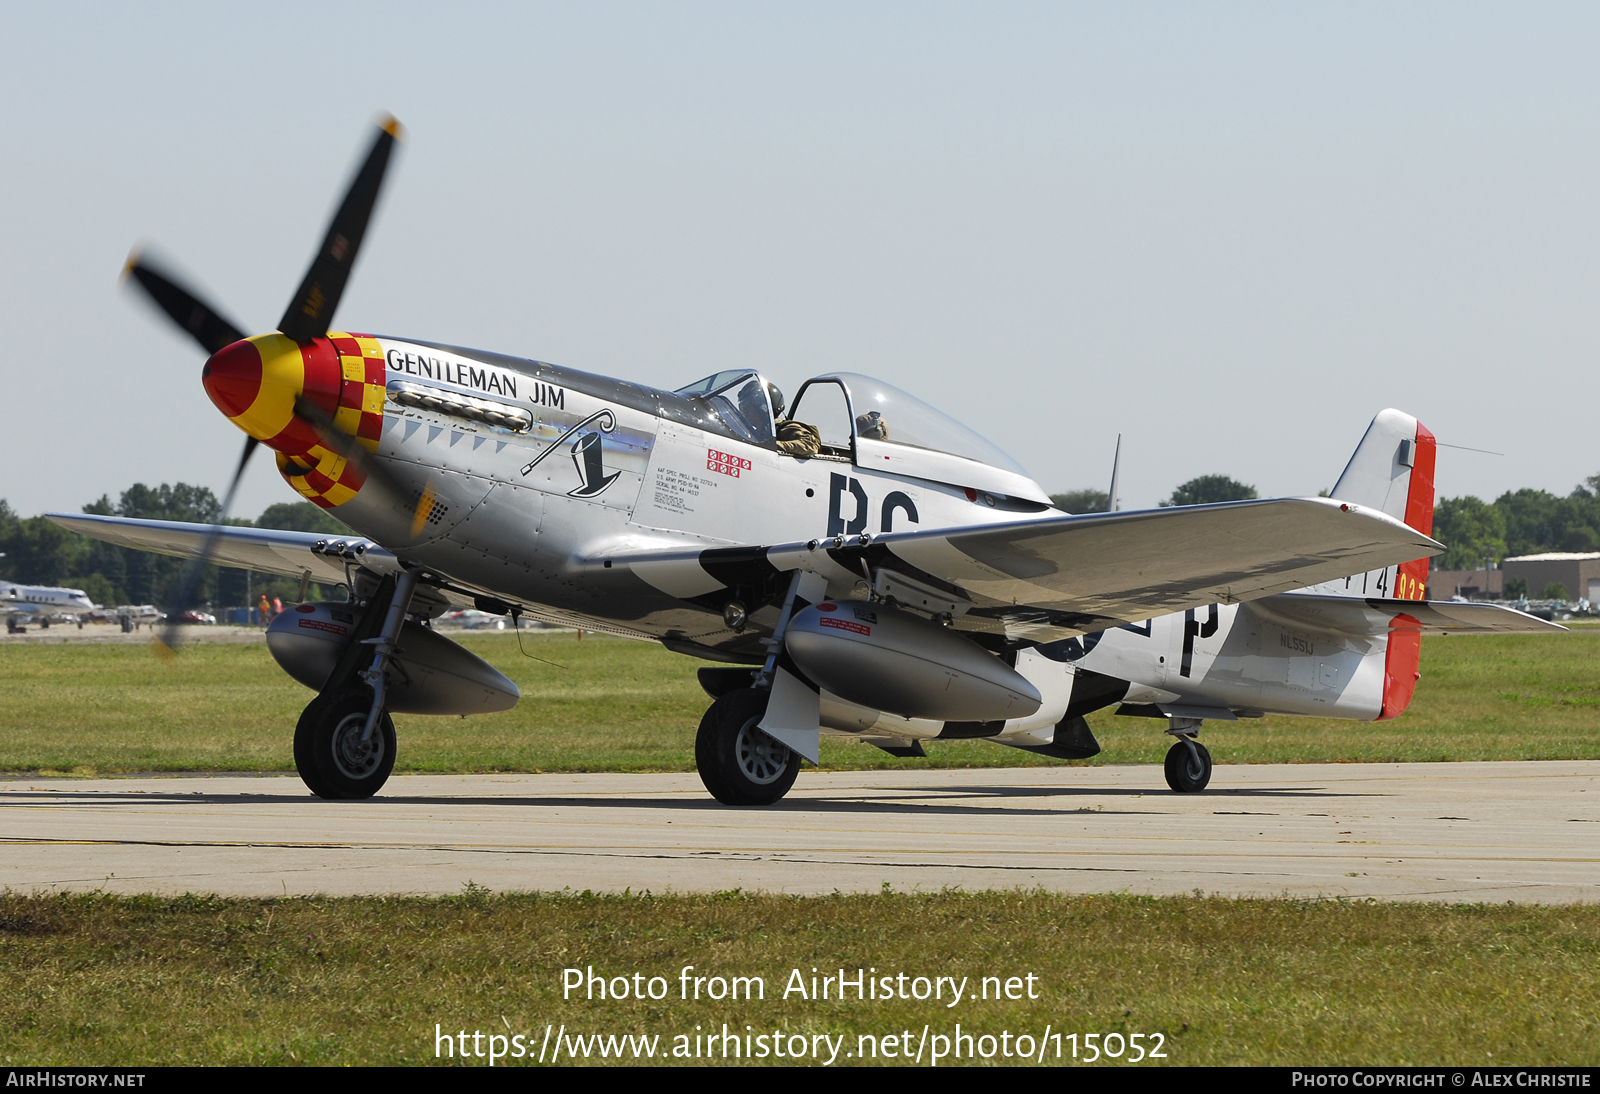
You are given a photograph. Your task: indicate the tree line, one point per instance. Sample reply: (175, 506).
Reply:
(35, 551)
(1199, 491)
(1518, 522)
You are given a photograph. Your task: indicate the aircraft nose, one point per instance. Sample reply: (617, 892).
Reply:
(255, 382)
(232, 377)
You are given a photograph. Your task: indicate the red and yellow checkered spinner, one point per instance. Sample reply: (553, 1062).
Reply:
(256, 381)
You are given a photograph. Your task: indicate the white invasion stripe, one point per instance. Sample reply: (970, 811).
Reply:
(679, 577)
(937, 556)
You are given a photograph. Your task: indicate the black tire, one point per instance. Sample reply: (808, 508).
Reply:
(326, 750)
(1183, 774)
(738, 763)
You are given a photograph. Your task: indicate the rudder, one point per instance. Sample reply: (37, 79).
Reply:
(1392, 471)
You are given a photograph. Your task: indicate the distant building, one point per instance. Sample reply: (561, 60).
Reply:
(1472, 584)
(1578, 571)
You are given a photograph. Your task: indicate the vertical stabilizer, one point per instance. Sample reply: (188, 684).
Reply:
(1392, 470)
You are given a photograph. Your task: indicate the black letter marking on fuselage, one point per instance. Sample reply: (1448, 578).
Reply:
(897, 500)
(1192, 627)
(836, 522)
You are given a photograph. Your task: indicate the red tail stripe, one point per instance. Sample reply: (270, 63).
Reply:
(1404, 652)
(1400, 663)
(1419, 499)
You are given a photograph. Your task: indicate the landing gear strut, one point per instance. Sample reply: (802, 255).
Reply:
(1188, 765)
(738, 762)
(344, 743)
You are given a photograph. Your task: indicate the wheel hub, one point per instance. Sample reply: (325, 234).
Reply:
(353, 759)
(761, 759)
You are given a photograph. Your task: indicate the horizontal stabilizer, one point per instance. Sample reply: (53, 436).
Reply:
(1374, 616)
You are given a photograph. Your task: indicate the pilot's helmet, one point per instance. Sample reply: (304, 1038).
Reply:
(776, 395)
(871, 426)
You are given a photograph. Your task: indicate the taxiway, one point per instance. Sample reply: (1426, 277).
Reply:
(1528, 832)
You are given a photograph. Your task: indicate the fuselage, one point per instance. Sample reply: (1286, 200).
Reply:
(1238, 656)
(536, 475)
(527, 483)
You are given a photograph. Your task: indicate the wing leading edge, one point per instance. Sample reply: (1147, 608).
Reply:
(268, 550)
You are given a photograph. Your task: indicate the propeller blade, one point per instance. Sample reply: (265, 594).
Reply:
(167, 640)
(198, 319)
(311, 310)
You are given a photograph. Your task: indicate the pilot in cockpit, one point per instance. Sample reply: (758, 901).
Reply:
(794, 438)
(871, 427)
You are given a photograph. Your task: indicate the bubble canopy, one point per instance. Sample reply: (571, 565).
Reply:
(905, 419)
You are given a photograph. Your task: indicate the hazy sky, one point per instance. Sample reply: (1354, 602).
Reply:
(1232, 233)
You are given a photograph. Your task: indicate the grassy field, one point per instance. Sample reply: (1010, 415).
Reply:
(89, 980)
(612, 705)
(101, 980)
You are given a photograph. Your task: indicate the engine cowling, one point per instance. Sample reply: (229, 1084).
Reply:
(890, 660)
(433, 675)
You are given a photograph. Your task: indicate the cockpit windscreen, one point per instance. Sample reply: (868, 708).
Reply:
(739, 400)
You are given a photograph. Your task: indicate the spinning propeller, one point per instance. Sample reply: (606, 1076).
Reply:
(285, 389)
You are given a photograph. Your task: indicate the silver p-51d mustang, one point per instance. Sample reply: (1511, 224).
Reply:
(856, 563)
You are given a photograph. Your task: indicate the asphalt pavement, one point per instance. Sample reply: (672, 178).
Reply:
(1476, 832)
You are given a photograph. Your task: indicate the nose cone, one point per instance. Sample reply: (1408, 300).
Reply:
(232, 377)
(255, 382)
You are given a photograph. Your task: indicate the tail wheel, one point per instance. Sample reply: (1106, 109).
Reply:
(739, 764)
(329, 753)
(1188, 767)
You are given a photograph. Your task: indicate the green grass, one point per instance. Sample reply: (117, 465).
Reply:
(130, 981)
(99, 980)
(612, 705)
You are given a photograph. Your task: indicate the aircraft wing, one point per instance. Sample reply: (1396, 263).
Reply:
(1371, 616)
(1053, 578)
(269, 550)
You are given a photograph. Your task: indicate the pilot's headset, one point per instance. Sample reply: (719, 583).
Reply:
(775, 394)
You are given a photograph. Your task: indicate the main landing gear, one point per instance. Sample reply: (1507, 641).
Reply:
(335, 757)
(344, 743)
(1188, 765)
(737, 762)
